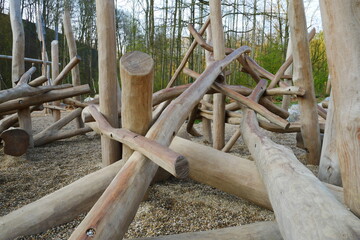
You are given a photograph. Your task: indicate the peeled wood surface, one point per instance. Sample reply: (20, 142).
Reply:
(105, 23)
(120, 201)
(169, 160)
(58, 207)
(341, 30)
(53, 95)
(54, 73)
(303, 207)
(254, 231)
(303, 78)
(73, 62)
(137, 78)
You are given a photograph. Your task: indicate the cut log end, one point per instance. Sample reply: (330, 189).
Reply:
(181, 167)
(16, 141)
(137, 63)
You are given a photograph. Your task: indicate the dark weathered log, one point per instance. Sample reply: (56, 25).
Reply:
(121, 199)
(254, 231)
(16, 141)
(53, 95)
(172, 162)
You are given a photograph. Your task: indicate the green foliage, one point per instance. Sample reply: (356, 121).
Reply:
(271, 57)
(319, 63)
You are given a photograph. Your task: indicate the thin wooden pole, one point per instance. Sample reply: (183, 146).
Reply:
(287, 98)
(219, 54)
(342, 31)
(137, 77)
(303, 78)
(105, 22)
(75, 72)
(54, 73)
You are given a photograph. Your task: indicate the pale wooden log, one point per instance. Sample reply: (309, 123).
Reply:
(75, 103)
(219, 53)
(105, 22)
(59, 207)
(329, 169)
(286, 91)
(328, 85)
(253, 105)
(303, 78)
(137, 77)
(71, 42)
(26, 76)
(53, 95)
(254, 231)
(172, 162)
(38, 81)
(73, 62)
(121, 199)
(25, 90)
(55, 108)
(287, 63)
(54, 73)
(322, 112)
(187, 55)
(63, 135)
(292, 189)
(191, 121)
(209, 166)
(286, 98)
(232, 141)
(344, 59)
(32, 60)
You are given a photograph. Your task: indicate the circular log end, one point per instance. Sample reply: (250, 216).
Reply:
(137, 63)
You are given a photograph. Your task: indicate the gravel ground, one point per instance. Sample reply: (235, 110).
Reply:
(174, 206)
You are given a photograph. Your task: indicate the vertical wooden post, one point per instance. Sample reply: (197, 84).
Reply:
(329, 169)
(302, 77)
(105, 22)
(342, 49)
(18, 64)
(287, 98)
(71, 42)
(219, 53)
(137, 76)
(54, 73)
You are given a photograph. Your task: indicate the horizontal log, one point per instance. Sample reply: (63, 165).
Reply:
(62, 135)
(229, 173)
(10, 120)
(292, 90)
(169, 160)
(53, 95)
(254, 231)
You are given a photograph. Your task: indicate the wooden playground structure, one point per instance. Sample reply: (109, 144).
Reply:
(306, 206)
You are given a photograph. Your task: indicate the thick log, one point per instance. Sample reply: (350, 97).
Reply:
(121, 199)
(26, 76)
(303, 78)
(53, 95)
(16, 141)
(254, 231)
(54, 73)
(344, 59)
(218, 39)
(71, 42)
(137, 77)
(172, 162)
(25, 90)
(73, 62)
(226, 172)
(105, 22)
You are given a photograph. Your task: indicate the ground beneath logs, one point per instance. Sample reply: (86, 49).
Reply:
(174, 206)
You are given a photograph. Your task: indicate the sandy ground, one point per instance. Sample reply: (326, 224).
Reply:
(174, 206)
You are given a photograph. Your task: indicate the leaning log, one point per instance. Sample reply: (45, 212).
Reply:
(342, 44)
(54, 73)
(120, 201)
(53, 95)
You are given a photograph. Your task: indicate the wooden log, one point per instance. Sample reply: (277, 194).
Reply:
(303, 78)
(24, 79)
(32, 60)
(254, 231)
(219, 53)
(54, 73)
(16, 141)
(226, 172)
(53, 95)
(329, 169)
(286, 98)
(253, 105)
(25, 90)
(343, 59)
(71, 42)
(73, 62)
(105, 22)
(232, 141)
(63, 135)
(121, 199)
(292, 189)
(137, 77)
(38, 81)
(322, 112)
(172, 162)
(328, 85)
(286, 91)
(10, 120)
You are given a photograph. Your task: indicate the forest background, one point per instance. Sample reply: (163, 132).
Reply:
(159, 28)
